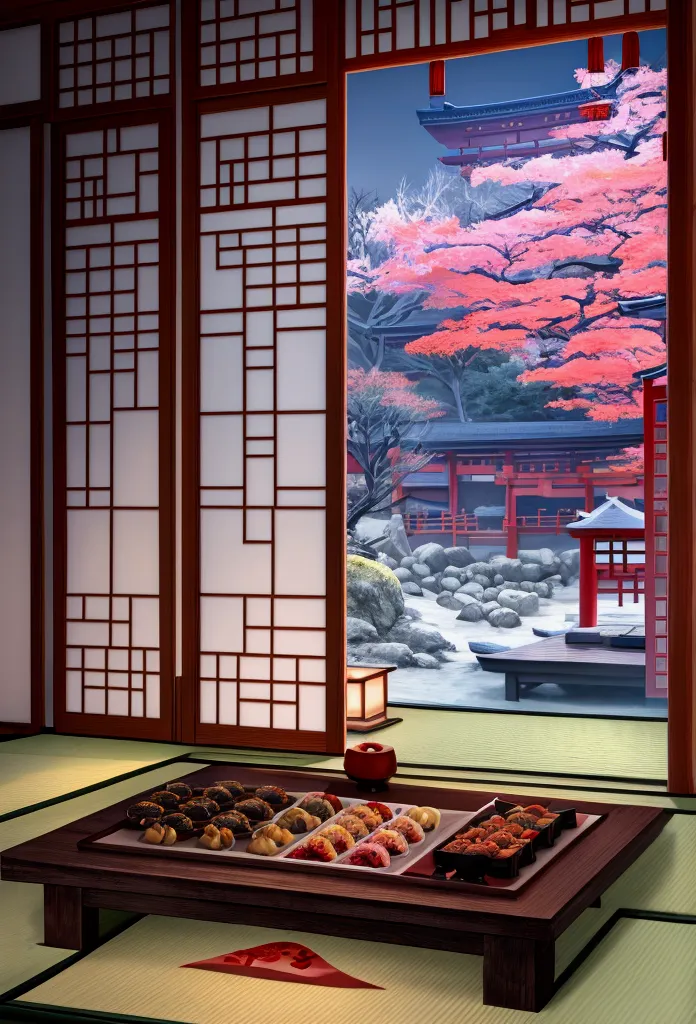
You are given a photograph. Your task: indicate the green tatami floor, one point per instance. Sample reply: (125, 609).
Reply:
(640, 973)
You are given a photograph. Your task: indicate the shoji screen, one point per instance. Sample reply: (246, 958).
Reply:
(112, 375)
(267, 659)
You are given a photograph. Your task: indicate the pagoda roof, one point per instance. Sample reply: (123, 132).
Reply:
(439, 121)
(528, 437)
(651, 307)
(612, 515)
(653, 373)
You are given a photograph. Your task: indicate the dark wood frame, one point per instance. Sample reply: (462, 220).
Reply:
(36, 399)
(515, 936)
(161, 728)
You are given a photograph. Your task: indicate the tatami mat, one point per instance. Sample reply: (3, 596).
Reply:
(21, 905)
(642, 973)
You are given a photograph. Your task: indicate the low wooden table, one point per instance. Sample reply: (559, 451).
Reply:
(554, 661)
(515, 936)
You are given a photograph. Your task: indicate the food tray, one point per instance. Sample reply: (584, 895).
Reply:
(123, 838)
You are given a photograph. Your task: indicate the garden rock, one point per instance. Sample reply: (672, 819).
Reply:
(391, 563)
(531, 572)
(543, 589)
(408, 561)
(450, 583)
(432, 555)
(473, 589)
(383, 654)
(373, 593)
(472, 612)
(498, 579)
(504, 618)
(461, 557)
(490, 594)
(446, 600)
(483, 581)
(481, 568)
(431, 584)
(358, 631)
(412, 589)
(386, 535)
(404, 575)
(488, 607)
(419, 637)
(453, 570)
(523, 604)
(425, 660)
(420, 571)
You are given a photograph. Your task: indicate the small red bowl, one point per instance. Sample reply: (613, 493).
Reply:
(370, 765)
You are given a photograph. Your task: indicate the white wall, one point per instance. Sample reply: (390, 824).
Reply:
(15, 427)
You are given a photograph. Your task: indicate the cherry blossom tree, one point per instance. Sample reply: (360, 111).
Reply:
(384, 411)
(540, 287)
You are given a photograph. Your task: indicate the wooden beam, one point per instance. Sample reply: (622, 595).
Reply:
(681, 374)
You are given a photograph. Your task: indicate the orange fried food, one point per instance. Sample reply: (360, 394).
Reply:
(501, 839)
(457, 846)
(473, 833)
(525, 820)
(529, 833)
(506, 854)
(536, 809)
(513, 828)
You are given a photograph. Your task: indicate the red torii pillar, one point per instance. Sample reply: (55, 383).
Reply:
(588, 582)
(510, 507)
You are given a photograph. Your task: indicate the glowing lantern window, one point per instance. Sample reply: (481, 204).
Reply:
(366, 697)
(595, 111)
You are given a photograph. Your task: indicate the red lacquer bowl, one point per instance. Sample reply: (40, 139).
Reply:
(370, 765)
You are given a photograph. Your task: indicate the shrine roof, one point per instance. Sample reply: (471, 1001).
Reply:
(613, 514)
(529, 436)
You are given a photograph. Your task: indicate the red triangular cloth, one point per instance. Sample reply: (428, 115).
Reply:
(282, 961)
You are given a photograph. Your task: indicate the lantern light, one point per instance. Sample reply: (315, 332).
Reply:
(630, 51)
(366, 697)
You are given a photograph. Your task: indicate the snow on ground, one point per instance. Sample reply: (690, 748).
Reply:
(462, 682)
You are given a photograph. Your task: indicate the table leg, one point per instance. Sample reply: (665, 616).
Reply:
(67, 924)
(512, 686)
(517, 973)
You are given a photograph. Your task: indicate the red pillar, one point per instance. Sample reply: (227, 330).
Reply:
(588, 583)
(453, 492)
(511, 514)
(589, 496)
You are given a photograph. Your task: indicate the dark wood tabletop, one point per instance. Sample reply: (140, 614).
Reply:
(555, 651)
(402, 909)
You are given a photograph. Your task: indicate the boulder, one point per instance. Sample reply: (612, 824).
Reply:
(472, 612)
(570, 564)
(447, 600)
(488, 607)
(490, 594)
(527, 586)
(373, 593)
(523, 604)
(531, 572)
(553, 580)
(504, 618)
(418, 636)
(412, 613)
(453, 570)
(498, 580)
(432, 555)
(461, 557)
(483, 581)
(543, 589)
(391, 563)
(450, 583)
(386, 535)
(408, 561)
(473, 590)
(420, 571)
(358, 631)
(480, 568)
(425, 660)
(383, 654)
(412, 589)
(404, 575)
(431, 584)
(539, 556)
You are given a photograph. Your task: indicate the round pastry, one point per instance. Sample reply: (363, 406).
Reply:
(235, 788)
(219, 795)
(316, 848)
(227, 838)
(235, 821)
(154, 834)
(273, 795)
(262, 846)
(211, 838)
(163, 797)
(204, 801)
(255, 809)
(409, 829)
(318, 807)
(196, 811)
(366, 814)
(356, 826)
(297, 821)
(181, 789)
(181, 823)
(369, 855)
(333, 800)
(391, 840)
(427, 817)
(198, 791)
(144, 813)
(339, 837)
(277, 835)
(381, 809)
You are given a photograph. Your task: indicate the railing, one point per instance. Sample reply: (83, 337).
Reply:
(466, 523)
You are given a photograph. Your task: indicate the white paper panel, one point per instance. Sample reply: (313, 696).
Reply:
(136, 440)
(20, 67)
(312, 708)
(222, 464)
(222, 623)
(136, 552)
(301, 451)
(228, 565)
(221, 374)
(300, 538)
(89, 551)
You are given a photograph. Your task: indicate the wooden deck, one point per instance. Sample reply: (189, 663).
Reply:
(554, 661)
